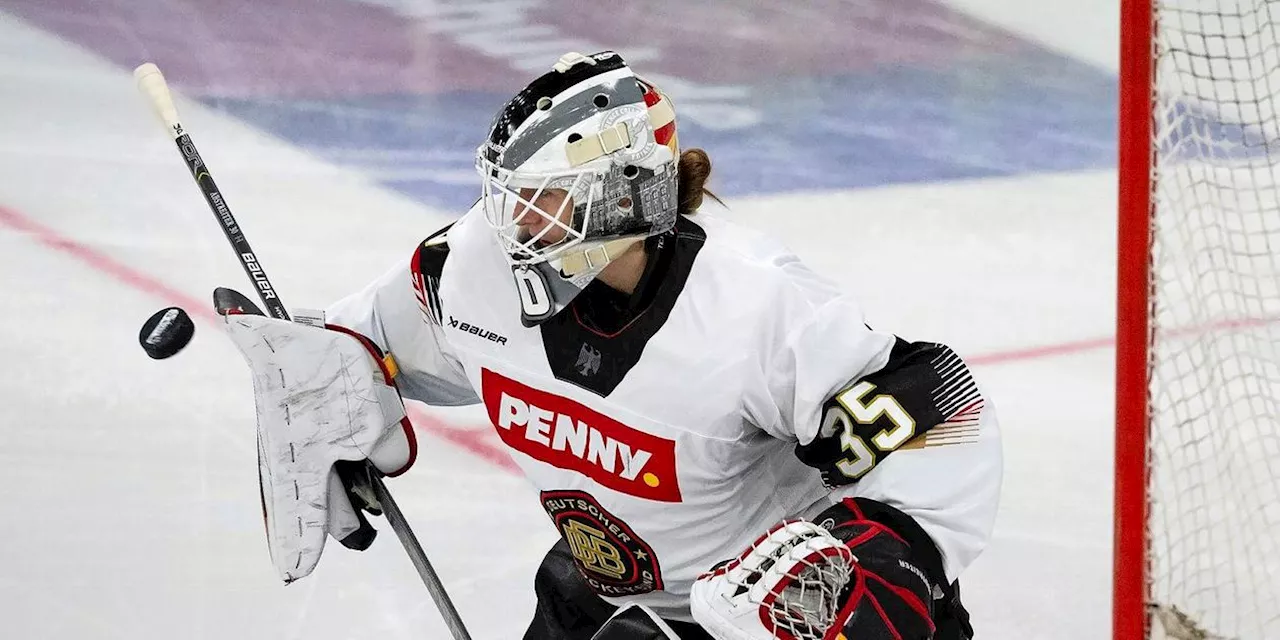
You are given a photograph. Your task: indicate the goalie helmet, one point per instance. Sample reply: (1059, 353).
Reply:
(578, 167)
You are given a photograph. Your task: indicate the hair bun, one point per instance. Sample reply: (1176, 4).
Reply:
(693, 171)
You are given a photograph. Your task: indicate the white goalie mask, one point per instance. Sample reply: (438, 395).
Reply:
(578, 167)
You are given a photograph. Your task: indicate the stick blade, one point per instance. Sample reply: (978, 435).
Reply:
(229, 302)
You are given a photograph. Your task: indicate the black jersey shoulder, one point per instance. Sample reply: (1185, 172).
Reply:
(924, 396)
(597, 354)
(431, 254)
(426, 267)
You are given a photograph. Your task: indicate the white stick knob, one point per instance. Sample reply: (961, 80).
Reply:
(152, 85)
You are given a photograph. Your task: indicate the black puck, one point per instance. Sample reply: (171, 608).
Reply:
(166, 332)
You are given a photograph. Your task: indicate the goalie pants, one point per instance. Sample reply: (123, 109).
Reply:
(568, 609)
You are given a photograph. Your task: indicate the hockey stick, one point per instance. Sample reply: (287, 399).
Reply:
(417, 556)
(152, 84)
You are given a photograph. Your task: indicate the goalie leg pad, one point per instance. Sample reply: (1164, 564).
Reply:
(568, 609)
(322, 395)
(635, 622)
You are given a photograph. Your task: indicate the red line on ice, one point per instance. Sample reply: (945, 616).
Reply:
(127, 275)
(472, 440)
(1042, 351)
(476, 441)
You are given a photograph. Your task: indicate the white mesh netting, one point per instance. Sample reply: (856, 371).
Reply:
(798, 573)
(809, 605)
(1214, 445)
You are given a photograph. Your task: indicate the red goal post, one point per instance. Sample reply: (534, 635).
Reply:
(1197, 443)
(1133, 304)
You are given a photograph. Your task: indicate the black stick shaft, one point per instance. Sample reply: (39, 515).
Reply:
(249, 261)
(218, 204)
(151, 82)
(419, 558)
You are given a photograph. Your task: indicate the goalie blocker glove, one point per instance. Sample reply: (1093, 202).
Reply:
(326, 402)
(851, 573)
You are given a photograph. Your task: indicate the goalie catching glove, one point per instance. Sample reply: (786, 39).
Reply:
(848, 577)
(326, 402)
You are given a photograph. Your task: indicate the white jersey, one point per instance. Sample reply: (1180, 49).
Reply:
(671, 444)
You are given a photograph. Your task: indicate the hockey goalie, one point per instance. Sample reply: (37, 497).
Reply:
(725, 447)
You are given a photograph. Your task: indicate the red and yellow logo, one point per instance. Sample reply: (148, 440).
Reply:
(569, 435)
(610, 556)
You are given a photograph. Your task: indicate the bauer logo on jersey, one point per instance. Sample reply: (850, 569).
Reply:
(612, 558)
(569, 435)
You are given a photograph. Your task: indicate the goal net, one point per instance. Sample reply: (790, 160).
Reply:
(1198, 499)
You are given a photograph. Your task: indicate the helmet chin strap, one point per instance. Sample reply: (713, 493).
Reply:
(574, 262)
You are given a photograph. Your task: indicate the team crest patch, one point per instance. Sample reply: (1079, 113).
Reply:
(614, 561)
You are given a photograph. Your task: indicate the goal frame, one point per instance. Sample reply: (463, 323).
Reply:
(1136, 159)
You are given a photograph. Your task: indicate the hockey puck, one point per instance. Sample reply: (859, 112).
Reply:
(166, 332)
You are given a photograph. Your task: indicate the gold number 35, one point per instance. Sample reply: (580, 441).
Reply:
(858, 410)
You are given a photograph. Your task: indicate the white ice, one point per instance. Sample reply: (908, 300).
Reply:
(128, 485)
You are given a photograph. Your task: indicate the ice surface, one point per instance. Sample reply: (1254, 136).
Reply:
(129, 485)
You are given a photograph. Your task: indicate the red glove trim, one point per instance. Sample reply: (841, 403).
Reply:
(386, 376)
